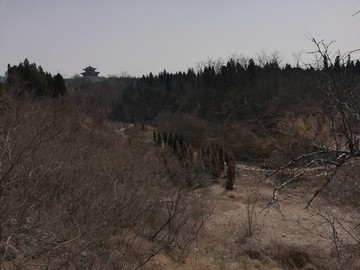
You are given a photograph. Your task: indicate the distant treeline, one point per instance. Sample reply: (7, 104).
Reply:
(31, 79)
(218, 93)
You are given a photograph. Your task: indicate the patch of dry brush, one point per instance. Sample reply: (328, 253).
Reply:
(75, 198)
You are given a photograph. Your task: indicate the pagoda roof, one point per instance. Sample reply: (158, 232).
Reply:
(90, 72)
(89, 68)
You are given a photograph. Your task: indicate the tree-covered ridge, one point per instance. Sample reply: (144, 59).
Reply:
(32, 79)
(227, 92)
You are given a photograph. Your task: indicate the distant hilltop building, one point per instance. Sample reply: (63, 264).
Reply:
(91, 74)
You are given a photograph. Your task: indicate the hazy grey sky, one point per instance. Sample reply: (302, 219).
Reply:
(142, 36)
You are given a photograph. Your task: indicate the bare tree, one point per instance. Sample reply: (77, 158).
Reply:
(297, 57)
(336, 154)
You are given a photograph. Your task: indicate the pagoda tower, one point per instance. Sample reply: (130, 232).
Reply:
(90, 72)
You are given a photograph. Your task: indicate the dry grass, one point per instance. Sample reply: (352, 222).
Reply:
(77, 197)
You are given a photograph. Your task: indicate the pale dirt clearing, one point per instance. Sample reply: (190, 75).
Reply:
(284, 235)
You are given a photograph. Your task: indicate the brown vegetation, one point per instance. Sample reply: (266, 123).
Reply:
(74, 197)
(80, 192)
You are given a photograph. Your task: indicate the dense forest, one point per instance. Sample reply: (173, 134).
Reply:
(228, 92)
(31, 79)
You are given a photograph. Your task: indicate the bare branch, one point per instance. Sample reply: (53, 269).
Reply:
(356, 13)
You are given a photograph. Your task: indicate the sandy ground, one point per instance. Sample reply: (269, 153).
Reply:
(283, 236)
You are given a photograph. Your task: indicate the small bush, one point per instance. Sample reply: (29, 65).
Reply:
(194, 129)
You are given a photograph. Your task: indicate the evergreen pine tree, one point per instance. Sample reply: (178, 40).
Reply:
(59, 86)
(199, 160)
(176, 138)
(184, 150)
(251, 69)
(191, 153)
(348, 62)
(221, 157)
(357, 67)
(231, 175)
(214, 163)
(165, 138)
(159, 141)
(170, 141)
(177, 149)
(181, 140)
(337, 65)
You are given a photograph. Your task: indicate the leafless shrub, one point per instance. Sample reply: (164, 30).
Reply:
(95, 100)
(70, 200)
(194, 129)
(291, 257)
(337, 228)
(296, 135)
(344, 188)
(329, 141)
(243, 142)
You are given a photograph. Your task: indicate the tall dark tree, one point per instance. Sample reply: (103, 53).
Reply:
(357, 67)
(337, 64)
(59, 86)
(251, 69)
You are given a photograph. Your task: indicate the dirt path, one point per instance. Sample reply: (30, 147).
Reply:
(285, 233)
